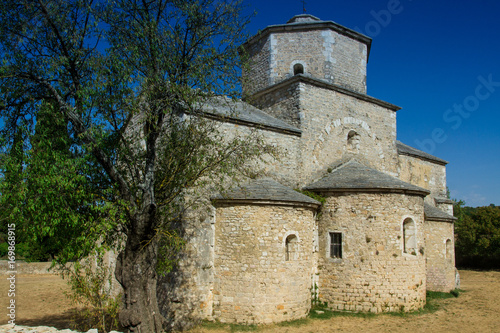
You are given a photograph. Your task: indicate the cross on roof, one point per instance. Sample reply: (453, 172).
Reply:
(304, 6)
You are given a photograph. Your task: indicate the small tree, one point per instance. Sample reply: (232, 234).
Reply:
(130, 80)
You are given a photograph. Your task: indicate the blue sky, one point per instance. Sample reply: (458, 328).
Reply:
(439, 61)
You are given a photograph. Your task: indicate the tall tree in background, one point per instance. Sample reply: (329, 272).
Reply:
(127, 79)
(478, 236)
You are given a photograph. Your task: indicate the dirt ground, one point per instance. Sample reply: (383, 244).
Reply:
(40, 301)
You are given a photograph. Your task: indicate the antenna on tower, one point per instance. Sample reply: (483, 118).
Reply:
(303, 6)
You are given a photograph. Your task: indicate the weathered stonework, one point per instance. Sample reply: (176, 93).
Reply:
(374, 273)
(426, 174)
(385, 232)
(254, 283)
(325, 50)
(440, 255)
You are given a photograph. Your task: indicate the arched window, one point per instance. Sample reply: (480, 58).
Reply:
(298, 69)
(448, 249)
(291, 248)
(409, 237)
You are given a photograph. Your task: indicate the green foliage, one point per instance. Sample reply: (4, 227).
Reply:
(105, 106)
(477, 236)
(4, 249)
(52, 196)
(170, 244)
(313, 195)
(91, 283)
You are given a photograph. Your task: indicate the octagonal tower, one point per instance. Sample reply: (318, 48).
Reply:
(306, 45)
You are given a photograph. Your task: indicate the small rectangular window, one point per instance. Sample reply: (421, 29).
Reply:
(335, 244)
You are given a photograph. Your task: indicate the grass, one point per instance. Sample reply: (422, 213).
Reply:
(432, 303)
(215, 325)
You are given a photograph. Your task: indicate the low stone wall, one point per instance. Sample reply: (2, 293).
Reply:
(40, 329)
(27, 267)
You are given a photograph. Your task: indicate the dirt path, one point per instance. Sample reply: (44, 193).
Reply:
(40, 301)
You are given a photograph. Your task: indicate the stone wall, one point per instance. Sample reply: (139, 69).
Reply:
(431, 176)
(284, 169)
(327, 117)
(324, 54)
(440, 254)
(374, 274)
(256, 76)
(185, 294)
(254, 283)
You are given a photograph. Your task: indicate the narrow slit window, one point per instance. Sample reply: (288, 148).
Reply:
(291, 248)
(448, 249)
(409, 237)
(336, 245)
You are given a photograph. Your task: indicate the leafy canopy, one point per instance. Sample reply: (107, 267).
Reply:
(104, 105)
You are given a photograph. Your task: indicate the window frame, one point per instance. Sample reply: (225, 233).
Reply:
(335, 241)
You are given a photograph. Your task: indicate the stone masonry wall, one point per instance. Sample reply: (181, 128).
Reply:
(282, 103)
(374, 273)
(419, 172)
(325, 55)
(285, 169)
(326, 117)
(254, 283)
(185, 294)
(329, 116)
(256, 76)
(440, 253)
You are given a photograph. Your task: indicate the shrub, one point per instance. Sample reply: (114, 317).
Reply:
(91, 282)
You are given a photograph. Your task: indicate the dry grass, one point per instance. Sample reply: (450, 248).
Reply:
(40, 301)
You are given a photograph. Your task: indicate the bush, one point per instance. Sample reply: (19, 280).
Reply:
(91, 283)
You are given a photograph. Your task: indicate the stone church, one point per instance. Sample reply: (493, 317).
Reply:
(383, 233)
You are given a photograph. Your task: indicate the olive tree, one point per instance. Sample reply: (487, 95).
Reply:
(130, 78)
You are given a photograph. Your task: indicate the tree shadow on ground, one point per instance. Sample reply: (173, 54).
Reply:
(67, 319)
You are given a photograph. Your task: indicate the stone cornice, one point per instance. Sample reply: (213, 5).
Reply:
(370, 190)
(304, 26)
(254, 202)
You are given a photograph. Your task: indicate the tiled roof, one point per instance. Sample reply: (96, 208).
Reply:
(354, 176)
(410, 151)
(266, 190)
(243, 113)
(436, 214)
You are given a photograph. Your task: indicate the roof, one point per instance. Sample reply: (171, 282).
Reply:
(356, 177)
(435, 214)
(239, 112)
(309, 22)
(439, 200)
(326, 85)
(266, 191)
(410, 151)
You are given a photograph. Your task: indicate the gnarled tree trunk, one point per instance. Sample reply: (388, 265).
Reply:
(136, 272)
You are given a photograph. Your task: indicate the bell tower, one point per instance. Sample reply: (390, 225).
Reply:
(305, 45)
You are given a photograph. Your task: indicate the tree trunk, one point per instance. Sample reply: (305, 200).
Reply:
(136, 272)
